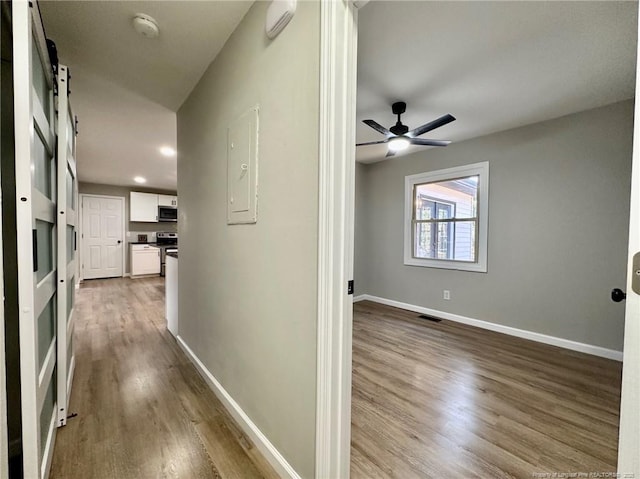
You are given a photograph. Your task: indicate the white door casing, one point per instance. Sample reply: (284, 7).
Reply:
(338, 56)
(67, 223)
(629, 439)
(102, 238)
(35, 179)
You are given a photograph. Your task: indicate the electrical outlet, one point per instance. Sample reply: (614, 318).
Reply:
(446, 294)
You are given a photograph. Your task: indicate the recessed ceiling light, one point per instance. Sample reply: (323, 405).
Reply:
(140, 179)
(167, 151)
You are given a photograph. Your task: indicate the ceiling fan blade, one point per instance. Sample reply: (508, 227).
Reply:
(390, 153)
(432, 125)
(377, 126)
(425, 142)
(372, 143)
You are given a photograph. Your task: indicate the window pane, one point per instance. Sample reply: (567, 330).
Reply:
(42, 168)
(70, 243)
(70, 133)
(447, 199)
(44, 234)
(46, 328)
(446, 240)
(464, 243)
(434, 240)
(70, 193)
(70, 297)
(424, 245)
(69, 352)
(39, 79)
(47, 411)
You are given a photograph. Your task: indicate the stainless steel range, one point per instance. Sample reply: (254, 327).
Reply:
(168, 243)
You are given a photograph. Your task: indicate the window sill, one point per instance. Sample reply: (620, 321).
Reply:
(443, 264)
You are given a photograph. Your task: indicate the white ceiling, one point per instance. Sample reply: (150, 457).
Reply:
(492, 65)
(126, 88)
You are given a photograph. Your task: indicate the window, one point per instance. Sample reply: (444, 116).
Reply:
(446, 216)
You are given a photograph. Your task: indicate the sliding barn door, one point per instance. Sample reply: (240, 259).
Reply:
(36, 194)
(67, 220)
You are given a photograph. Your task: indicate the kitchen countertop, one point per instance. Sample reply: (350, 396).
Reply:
(154, 244)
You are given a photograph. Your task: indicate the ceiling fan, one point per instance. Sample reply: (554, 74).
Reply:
(399, 137)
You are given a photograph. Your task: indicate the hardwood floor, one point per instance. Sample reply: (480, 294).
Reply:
(445, 400)
(143, 410)
(430, 400)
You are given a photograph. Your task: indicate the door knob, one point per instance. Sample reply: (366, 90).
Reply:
(618, 295)
(119, 241)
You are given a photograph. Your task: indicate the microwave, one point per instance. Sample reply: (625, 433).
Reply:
(167, 213)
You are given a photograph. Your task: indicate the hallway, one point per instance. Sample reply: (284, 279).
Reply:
(142, 409)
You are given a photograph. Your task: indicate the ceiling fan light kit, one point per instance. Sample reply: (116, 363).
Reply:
(398, 143)
(399, 137)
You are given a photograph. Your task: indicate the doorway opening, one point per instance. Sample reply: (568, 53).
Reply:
(527, 355)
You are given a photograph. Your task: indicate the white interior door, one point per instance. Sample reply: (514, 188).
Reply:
(35, 170)
(67, 220)
(102, 236)
(629, 443)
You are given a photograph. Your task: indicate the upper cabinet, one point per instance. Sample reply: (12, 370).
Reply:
(143, 207)
(167, 200)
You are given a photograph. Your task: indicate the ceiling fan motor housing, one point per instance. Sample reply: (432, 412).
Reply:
(399, 129)
(398, 108)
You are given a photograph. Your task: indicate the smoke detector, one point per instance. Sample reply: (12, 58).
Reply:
(146, 25)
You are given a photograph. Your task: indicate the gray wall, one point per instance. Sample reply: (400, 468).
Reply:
(558, 228)
(247, 293)
(132, 227)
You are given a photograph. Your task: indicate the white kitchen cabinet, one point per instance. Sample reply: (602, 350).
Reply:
(145, 259)
(143, 207)
(167, 200)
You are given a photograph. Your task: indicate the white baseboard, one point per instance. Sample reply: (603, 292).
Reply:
(277, 461)
(126, 275)
(499, 328)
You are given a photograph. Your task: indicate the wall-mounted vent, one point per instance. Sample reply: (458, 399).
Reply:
(279, 14)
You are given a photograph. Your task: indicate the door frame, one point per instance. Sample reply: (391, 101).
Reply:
(338, 62)
(81, 231)
(629, 433)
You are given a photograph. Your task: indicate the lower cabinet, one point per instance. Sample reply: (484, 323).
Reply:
(145, 259)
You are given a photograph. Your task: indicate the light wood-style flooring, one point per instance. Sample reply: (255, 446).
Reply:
(445, 400)
(143, 410)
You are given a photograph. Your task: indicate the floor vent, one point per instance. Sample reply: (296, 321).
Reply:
(430, 318)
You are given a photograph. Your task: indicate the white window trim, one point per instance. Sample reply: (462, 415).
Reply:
(481, 169)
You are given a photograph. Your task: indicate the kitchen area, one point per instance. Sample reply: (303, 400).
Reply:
(156, 253)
